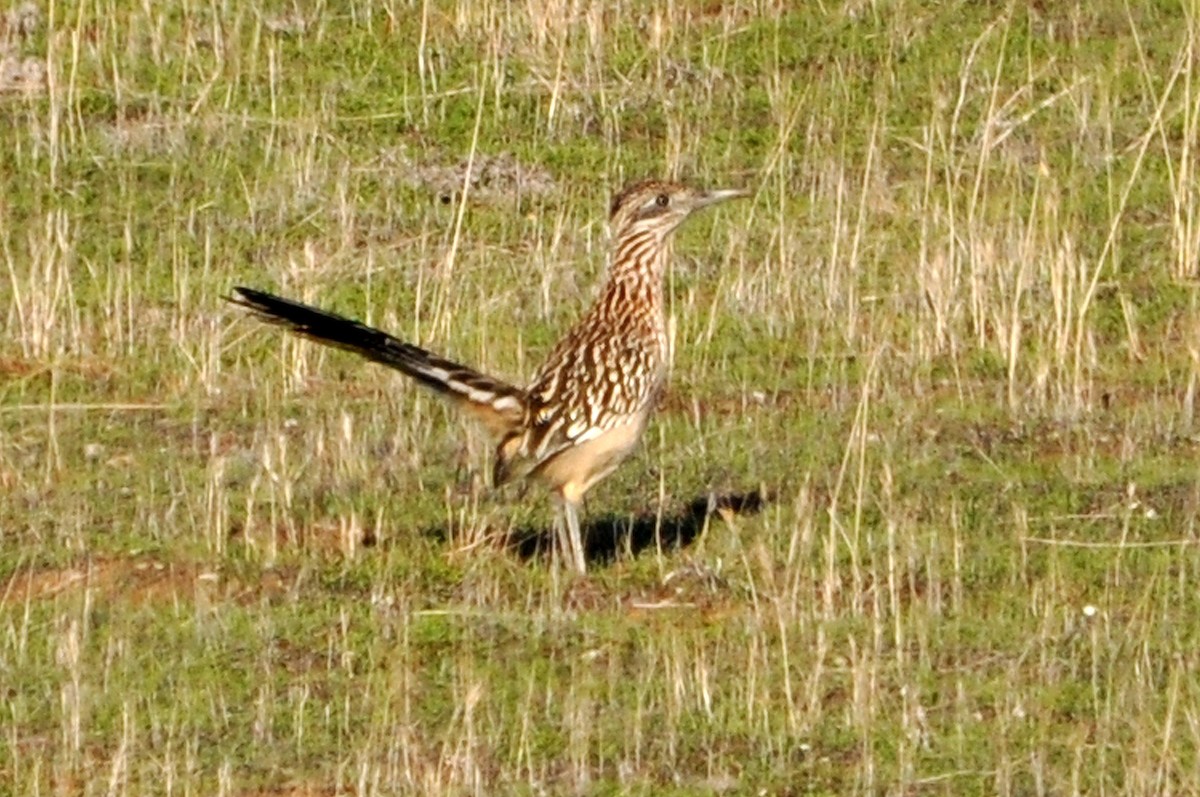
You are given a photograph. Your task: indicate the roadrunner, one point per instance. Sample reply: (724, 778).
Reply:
(588, 405)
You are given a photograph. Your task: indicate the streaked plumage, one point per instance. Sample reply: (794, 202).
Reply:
(587, 406)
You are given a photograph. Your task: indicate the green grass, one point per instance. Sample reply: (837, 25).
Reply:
(951, 338)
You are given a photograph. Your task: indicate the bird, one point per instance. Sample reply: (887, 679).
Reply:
(586, 408)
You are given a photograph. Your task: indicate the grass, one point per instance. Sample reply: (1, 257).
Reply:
(951, 340)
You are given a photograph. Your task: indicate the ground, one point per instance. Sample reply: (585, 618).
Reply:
(918, 514)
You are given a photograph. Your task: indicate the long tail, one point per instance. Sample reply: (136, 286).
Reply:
(499, 405)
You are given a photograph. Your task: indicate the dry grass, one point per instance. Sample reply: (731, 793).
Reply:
(951, 339)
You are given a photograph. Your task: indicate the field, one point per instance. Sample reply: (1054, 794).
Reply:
(918, 515)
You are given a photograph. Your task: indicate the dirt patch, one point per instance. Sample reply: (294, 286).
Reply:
(138, 581)
(16, 367)
(134, 580)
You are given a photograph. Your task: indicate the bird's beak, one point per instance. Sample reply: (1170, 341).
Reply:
(720, 195)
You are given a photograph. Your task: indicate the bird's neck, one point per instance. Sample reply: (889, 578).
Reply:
(631, 297)
(639, 261)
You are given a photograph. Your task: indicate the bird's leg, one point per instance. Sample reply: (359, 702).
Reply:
(570, 537)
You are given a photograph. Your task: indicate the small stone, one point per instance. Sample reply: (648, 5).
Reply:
(22, 74)
(25, 19)
(287, 25)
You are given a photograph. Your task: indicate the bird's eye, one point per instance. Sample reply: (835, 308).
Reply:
(662, 200)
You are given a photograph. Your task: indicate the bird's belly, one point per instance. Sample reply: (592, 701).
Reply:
(575, 469)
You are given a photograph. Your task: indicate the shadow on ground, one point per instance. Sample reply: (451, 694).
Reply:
(607, 536)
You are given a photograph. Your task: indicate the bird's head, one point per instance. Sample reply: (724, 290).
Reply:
(660, 206)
